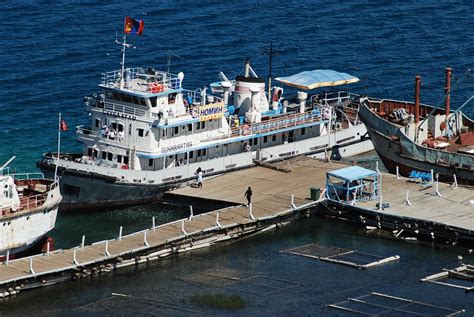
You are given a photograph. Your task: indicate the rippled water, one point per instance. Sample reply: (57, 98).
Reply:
(53, 53)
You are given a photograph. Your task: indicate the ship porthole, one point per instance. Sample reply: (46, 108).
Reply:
(28, 218)
(9, 223)
(4, 224)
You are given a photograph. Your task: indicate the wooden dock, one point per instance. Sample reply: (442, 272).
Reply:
(278, 198)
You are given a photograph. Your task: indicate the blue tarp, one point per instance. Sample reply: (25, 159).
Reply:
(352, 173)
(308, 80)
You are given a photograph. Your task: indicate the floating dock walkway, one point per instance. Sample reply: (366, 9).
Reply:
(278, 198)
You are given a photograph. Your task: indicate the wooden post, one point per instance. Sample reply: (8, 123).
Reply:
(31, 266)
(107, 253)
(455, 183)
(120, 233)
(437, 186)
(191, 215)
(218, 224)
(75, 258)
(182, 228)
(145, 242)
(407, 201)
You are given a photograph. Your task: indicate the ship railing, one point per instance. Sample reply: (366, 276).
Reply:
(291, 120)
(26, 203)
(80, 130)
(335, 97)
(141, 80)
(22, 176)
(126, 111)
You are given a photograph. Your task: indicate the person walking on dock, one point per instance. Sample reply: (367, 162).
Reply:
(199, 177)
(248, 195)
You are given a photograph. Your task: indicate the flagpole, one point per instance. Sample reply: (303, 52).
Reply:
(124, 45)
(59, 146)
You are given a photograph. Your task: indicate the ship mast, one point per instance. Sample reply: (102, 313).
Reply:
(124, 45)
(270, 52)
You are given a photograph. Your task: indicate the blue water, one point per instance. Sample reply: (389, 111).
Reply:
(53, 52)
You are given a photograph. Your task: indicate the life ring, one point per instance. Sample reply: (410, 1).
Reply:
(442, 126)
(125, 167)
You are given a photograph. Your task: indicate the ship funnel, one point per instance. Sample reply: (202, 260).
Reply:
(447, 89)
(417, 98)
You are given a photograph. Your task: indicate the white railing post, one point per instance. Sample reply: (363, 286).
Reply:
(250, 212)
(183, 231)
(455, 183)
(120, 233)
(75, 258)
(191, 214)
(153, 226)
(398, 173)
(47, 248)
(107, 253)
(377, 166)
(83, 241)
(293, 206)
(218, 224)
(8, 257)
(145, 241)
(437, 186)
(407, 200)
(31, 266)
(432, 176)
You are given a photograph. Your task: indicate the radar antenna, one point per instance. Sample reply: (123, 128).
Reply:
(270, 52)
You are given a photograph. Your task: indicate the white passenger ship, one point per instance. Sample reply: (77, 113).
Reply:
(28, 209)
(148, 134)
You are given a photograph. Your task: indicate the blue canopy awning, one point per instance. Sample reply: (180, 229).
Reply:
(308, 80)
(352, 173)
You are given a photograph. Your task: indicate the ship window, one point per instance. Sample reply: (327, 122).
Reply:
(116, 96)
(110, 156)
(126, 98)
(125, 160)
(114, 126)
(153, 101)
(191, 154)
(171, 98)
(176, 130)
(97, 123)
(255, 141)
(303, 131)
(104, 155)
(120, 127)
(96, 153)
(203, 124)
(130, 129)
(265, 139)
(90, 151)
(199, 153)
(150, 162)
(119, 158)
(140, 132)
(203, 152)
(274, 137)
(190, 127)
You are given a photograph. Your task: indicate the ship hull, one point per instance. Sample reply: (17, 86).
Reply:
(392, 154)
(86, 191)
(26, 232)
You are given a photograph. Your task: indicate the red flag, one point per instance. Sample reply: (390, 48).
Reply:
(133, 26)
(63, 126)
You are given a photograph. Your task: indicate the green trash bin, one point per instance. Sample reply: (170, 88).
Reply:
(314, 193)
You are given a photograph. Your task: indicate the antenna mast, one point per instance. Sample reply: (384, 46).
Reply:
(270, 52)
(124, 45)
